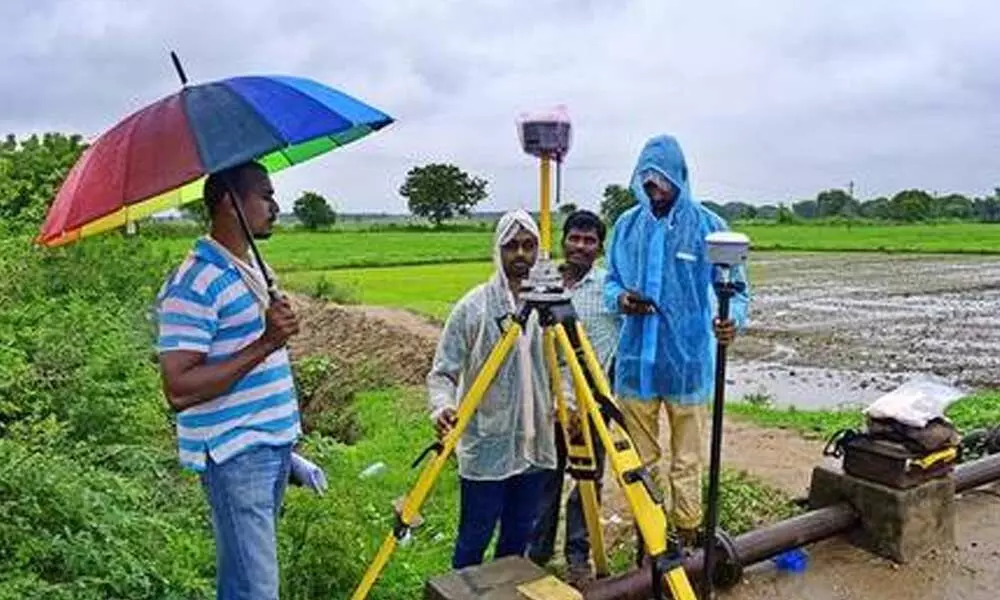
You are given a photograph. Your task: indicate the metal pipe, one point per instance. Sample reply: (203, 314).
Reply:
(761, 544)
(751, 547)
(976, 473)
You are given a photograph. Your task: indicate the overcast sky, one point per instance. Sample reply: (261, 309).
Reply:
(772, 101)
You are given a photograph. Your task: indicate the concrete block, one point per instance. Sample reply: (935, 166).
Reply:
(497, 580)
(900, 525)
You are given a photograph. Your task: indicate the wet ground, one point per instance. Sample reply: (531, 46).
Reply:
(829, 329)
(968, 570)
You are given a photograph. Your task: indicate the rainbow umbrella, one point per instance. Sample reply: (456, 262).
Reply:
(158, 157)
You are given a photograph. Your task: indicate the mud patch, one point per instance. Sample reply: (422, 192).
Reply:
(361, 340)
(857, 325)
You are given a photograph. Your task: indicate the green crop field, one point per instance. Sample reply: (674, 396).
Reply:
(430, 290)
(292, 250)
(426, 289)
(309, 251)
(932, 238)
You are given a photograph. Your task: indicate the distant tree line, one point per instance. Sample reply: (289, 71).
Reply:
(907, 206)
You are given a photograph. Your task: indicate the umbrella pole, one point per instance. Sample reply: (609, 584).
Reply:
(245, 226)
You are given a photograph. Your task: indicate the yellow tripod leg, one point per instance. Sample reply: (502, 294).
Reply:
(624, 460)
(679, 584)
(581, 458)
(592, 516)
(415, 499)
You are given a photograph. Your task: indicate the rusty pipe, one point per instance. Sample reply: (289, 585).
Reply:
(751, 547)
(761, 544)
(976, 473)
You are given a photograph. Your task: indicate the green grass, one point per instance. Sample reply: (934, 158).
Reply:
(346, 526)
(976, 411)
(973, 238)
(315, 251)
(328, 541)
(307, 251)
(427, 289)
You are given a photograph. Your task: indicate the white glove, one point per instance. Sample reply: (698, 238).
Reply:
(308, 474)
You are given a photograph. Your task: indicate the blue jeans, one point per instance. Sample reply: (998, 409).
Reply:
(512, 501)
(245, 494)
(543, 538)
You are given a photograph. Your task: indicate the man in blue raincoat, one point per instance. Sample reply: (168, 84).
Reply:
(659, 277)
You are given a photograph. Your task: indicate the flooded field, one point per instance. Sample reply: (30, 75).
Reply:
(829, 329)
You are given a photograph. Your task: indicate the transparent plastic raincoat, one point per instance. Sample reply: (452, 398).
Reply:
(513, 428)
(669, 356)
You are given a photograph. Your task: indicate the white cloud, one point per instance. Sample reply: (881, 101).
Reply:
(772, 101)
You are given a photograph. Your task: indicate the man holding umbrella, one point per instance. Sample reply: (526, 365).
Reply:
(223, 328)
(226, 372)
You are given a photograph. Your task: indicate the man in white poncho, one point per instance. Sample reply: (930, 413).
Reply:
(510, 439)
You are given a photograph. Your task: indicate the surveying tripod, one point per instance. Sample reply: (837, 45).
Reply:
(543, 293)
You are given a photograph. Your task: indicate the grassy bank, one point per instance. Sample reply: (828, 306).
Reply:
(979, 410)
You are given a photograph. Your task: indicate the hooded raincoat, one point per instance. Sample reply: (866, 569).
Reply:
(669, 355)
(513, 428)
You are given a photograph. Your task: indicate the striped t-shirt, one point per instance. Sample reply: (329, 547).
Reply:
(206, 307)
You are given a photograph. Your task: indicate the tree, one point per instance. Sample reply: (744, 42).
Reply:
(313, 211)
(768, 212)
(911, 205)
(441, 191)
(806, 209)
(565, 210)
(738, 211)
(617, 199)
(836, 203)
(955, 206)
(988, 209)
(875, 209)
(786, 216)
(715, 207)
(31, 171)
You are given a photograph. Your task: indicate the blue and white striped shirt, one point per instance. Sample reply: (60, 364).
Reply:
(206, 307)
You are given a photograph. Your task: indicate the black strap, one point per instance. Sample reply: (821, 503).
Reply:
(837, 443)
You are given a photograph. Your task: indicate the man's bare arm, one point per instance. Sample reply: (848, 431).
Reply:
(188, 381)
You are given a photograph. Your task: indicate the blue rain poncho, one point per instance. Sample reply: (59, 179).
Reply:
(669, 356)
(513, 428)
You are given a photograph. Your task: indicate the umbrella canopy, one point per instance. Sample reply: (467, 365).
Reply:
(158, 157)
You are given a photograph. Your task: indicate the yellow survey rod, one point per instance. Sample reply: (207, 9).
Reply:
(415, 499)
(545, 210)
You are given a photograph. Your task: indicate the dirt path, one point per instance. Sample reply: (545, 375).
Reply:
(783, 459)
